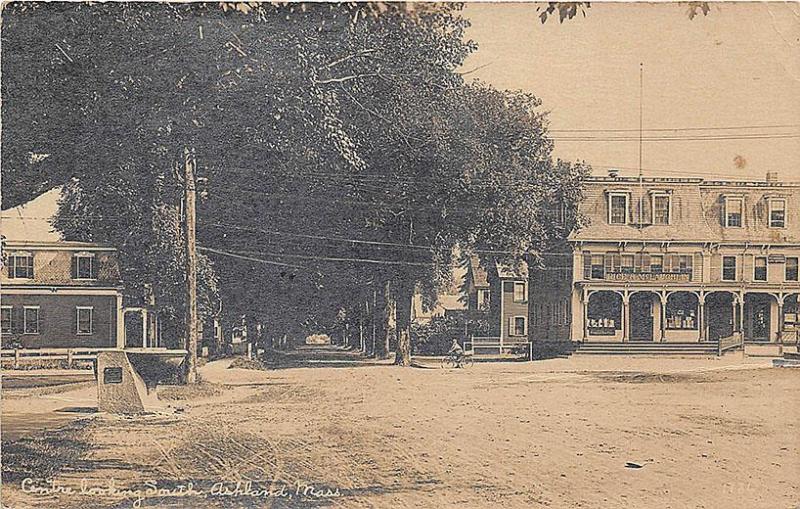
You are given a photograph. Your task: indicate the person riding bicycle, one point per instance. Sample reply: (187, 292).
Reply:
(457, 352)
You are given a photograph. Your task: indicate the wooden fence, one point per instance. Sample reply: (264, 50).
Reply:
(19, 355)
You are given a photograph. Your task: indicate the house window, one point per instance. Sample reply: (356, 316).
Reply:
(84, 266)
(20, 266)
(657, 264)
(483, 300)
(84, 320)
(598, 270)
(729, 268)
(30, 320)
(685, 264)
(791, 268)
(777, 213)
(661, 209)
(760, 269)
(733, 212)
(519, 292)
(519, 328)
(5, 319)
(618, 208)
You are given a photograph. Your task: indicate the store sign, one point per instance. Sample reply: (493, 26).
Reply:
(647, 276)
(777, 258)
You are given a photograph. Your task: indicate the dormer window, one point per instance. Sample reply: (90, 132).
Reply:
(662, 208)
(20, 266)
(618, 208)
(734, 207)
(83, 266)
(777, 213)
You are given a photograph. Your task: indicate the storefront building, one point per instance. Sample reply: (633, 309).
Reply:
(685, 260)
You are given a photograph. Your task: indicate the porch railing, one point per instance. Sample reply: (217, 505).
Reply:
(732, 342)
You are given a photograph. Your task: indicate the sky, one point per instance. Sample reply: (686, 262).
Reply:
(738, 66)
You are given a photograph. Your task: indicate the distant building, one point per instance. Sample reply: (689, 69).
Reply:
(501, 292)
(675, 260)
(60, 294)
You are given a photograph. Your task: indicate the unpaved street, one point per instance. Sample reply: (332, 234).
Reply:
(703, 433)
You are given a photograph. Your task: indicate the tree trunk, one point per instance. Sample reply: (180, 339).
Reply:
(405, 294)
(387, 319)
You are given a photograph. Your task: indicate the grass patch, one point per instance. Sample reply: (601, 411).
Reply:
(42, 457)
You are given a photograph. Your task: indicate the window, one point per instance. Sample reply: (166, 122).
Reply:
(518, 328)
(661, 209)
(483, 299)
(760, 269)
(598, 270)
(84, 266)
(777, 213)
(5, 319)
(30, 320)
(657, 264)
(627, 264)
(618, 208)
(520, 295)
(685, 264)
(729, 268)
(791, 268)
(84, 320)
(20, 265)
(733, 212)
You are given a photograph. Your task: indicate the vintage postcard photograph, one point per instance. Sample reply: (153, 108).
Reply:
(400, 255)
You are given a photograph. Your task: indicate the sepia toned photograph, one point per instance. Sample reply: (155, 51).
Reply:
(400, 255)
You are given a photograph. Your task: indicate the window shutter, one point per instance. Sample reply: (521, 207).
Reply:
(637, 262)
(74, 273)
(697, 267)
(93, 266)
(12, 260)
(645, 262)
(40, 315)
(587, 265)
(510, 326)
(607, 262)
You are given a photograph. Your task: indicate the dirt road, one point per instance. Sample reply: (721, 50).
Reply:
(568, 433)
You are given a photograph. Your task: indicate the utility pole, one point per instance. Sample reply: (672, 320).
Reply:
(189, 200)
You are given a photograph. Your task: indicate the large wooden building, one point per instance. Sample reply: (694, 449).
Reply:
(60, 295)
(675, 260)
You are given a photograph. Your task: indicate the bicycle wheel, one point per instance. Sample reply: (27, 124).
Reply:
(448, 362)
(467, 362)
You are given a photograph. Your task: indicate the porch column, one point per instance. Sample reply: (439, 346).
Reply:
(779, 335)
(663, 320)
(626, 317)
(701, 317)
(144, 328)
(120, 340)
(586, 296)
(741, 316)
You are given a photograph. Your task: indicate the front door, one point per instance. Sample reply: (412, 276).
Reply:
(759, 325)
(641, 309)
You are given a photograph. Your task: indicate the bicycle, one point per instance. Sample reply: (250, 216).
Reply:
(452, 361)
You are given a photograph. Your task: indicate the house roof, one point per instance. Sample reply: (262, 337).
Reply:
(477, 272)
(31, 221)
(512, 272)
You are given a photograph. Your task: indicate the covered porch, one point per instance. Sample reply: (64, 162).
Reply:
(686, 315)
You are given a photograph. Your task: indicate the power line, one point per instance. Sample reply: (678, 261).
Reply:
(249, 258)
(674, 129)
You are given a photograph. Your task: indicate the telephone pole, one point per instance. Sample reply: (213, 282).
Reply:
(189, 200)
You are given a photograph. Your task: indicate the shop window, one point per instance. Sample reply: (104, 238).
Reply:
(661, 209)
(618, 208)
(777, 213)
(792, 268)
(681, 312)
(30, 320)
(760, 268)
(627, 264)
(20, 265)
(734, 207)
(520, 295)
(604, 314)
(657, 264)
(729, 268)
(598, 267)
(6, 312)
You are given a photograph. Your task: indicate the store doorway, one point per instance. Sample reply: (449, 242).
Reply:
(641, 316)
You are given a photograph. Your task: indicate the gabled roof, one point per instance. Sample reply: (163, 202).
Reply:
(31, 221)
(477, 272)
(511, 272)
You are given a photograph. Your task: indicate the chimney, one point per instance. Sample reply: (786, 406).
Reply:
(772, 177)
